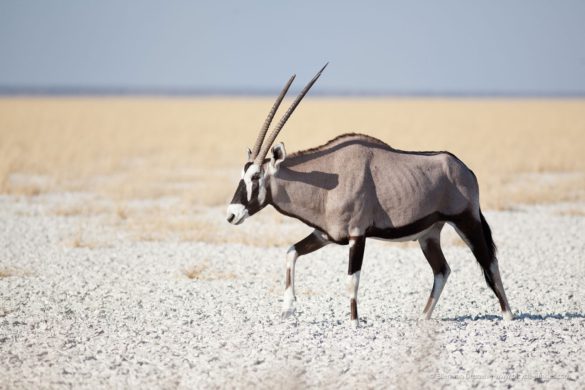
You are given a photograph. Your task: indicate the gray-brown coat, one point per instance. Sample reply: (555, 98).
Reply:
(355, 187)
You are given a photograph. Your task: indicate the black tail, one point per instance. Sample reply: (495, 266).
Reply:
(487, 235)
(488, 272)
(479, 238)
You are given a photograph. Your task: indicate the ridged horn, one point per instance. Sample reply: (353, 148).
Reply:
(266, 146)
(269, 118)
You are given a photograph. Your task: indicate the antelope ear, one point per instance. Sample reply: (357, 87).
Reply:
(278, 156)
(249, 154)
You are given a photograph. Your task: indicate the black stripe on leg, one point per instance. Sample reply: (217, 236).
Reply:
(309, 244)
(288, 279)
(356, 255)
(353, 306)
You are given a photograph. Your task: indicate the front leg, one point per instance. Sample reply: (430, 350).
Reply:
(311, 243)
(356, 256)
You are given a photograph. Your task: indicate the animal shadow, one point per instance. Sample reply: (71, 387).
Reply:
(518, 316)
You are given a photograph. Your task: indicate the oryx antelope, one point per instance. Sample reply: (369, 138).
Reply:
(355, 187)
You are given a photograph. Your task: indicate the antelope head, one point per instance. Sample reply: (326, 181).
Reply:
(251, 193)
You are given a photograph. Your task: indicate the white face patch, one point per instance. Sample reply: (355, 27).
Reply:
(238, 211)
(247, 177)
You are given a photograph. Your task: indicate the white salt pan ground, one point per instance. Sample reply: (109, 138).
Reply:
(123, 314)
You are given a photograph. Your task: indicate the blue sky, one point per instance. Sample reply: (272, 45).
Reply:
(500, 47)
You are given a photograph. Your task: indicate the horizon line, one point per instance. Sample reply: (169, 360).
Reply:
(96, 91)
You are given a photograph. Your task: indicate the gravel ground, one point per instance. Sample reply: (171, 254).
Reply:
(123, 313)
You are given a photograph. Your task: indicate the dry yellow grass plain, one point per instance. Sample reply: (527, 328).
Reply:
(123, 149)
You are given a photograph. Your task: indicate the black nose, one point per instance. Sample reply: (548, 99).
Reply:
(230, 218)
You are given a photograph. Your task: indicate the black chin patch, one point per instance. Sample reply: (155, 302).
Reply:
(254, 206)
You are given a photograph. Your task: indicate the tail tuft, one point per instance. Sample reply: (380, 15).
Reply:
(487, 235)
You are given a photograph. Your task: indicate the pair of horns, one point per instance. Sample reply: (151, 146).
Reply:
(261, 148)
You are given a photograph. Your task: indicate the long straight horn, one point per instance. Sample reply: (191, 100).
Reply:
(268, 120)
(266, 146)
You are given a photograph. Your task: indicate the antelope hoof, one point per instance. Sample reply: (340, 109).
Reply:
(507, 315)
(354, 324)
(287, 312)
(425, 316)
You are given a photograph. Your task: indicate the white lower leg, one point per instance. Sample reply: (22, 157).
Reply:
(439, 283)
(289, 289)
(353, 282)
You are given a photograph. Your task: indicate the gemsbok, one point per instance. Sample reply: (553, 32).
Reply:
(355, 187)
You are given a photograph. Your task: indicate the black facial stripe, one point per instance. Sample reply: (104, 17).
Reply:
(255, 190)
(254, 205)
(240, 195)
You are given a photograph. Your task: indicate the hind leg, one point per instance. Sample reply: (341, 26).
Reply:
(431, 247)
(477, 236)
(356, 256)
(499, 291)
